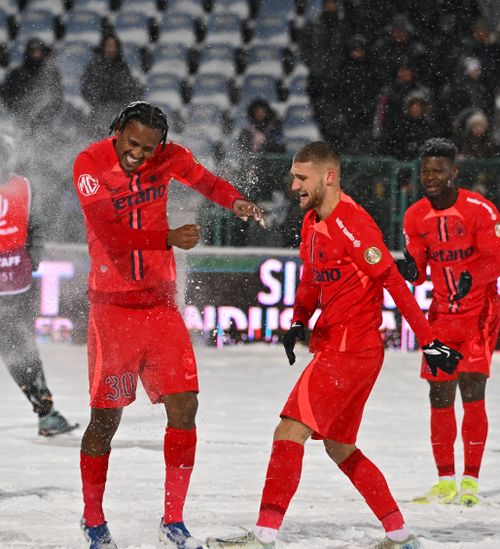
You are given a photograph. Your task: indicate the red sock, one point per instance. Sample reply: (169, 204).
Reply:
(282, 480)
(474, 433)
(179, 448)
(93, 470)
(443, 435)
(371, 484)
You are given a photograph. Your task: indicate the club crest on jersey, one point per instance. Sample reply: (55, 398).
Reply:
(87, 184)
(497, 229)
(373, 255)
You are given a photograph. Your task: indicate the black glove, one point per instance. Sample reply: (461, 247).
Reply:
(440, 356)
(408, 267)
(295, 332)
(463, 286)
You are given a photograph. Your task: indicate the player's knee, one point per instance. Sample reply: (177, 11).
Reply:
(337, 451)
(289, 429)
(181, 410)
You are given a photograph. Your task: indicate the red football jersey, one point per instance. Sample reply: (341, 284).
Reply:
(464, 237)
(126, 216)
(346, 267)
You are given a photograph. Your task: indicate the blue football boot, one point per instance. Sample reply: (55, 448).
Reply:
(99, 536)
(177, 536)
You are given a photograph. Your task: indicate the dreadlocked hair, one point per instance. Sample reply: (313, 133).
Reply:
(439, 146)
(145, 113)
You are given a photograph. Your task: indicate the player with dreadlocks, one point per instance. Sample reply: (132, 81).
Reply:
(135, 329)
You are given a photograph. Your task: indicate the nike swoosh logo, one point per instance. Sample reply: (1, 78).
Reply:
(475, 443)
(422, 235)
(476, 359)
(191, 376)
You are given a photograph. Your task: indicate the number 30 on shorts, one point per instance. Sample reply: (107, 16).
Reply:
(123, 385)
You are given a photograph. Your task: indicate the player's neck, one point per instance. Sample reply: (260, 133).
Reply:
(446, 200)
(328, 204)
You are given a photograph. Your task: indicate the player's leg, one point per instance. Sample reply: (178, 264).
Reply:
(443, 430)
(474, 432)
(113, 359)
(169, 375)
(371, 484)
(20, 353)
(282, 480)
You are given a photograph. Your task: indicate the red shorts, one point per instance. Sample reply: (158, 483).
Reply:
(474, 338)
(125, 343)
(332, 391)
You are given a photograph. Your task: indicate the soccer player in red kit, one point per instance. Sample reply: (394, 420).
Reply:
(135, 329)
(456, 232)
(346, 266)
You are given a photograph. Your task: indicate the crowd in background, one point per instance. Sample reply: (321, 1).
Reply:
(383, 77)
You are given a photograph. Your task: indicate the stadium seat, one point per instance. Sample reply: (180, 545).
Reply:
(4, 28)
(217, 58)
(55, 7)
(206, 118)
(271, 29)
(164, 88)
(271, 8)
(265, 60)
(211, 88)
(39, 23)
(84, 25)
(294, 144)
(170, 59)
(16, 53)
(99, 6)
(297, 91)
(224, 28)
(239, 7)
(71, 59)
(148, 7)
(132, 27)
(177, 27)
(132, 57)
(10, 7)
(188, 7)
(299, 122)
(258, 87)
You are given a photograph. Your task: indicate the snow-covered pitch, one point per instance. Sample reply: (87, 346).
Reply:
(242, 391)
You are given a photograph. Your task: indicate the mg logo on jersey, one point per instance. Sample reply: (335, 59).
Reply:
(4, 208)
(87, 184)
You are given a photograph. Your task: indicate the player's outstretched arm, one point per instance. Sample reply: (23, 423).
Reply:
(245, 209)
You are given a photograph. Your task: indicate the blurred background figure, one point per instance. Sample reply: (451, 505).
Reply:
(21, 247)
(264, 132)
(108, 85)
(322, 49)
(33, 91)
(476, 140)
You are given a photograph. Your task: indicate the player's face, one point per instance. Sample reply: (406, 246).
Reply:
(135, 144)
(309, 184)
(437, 175)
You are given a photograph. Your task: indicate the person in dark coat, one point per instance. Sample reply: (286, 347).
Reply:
(33, 91)
(107, 84)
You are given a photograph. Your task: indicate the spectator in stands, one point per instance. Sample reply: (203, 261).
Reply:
(400, 43)
(481, 46)
(391, 100)
(357, 99)
(465, 93)
(264, 132)
(33, 91)
(107, 84)
(476, 141)
(403, 139)
(322, 50)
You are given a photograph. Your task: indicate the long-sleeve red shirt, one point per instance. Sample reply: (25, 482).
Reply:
(346, 267)
(126, 218)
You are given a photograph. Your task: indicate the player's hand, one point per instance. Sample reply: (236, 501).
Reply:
(185, 237)
(408, 267)
(441, 357)
(245, 209)
(295, 332)
(463, 286)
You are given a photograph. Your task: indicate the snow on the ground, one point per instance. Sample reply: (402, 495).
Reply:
(243, 389)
